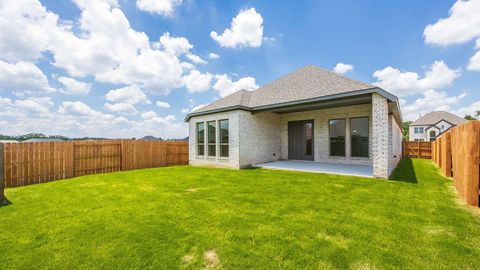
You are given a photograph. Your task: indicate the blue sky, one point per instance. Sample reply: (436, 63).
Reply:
(134, 68)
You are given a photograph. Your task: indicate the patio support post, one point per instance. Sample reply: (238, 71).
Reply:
(379, 136)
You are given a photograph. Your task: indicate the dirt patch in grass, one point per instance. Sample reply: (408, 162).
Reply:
(211, 258)
(363, 266)
(188, 258)
(337, 240)
(191, 190)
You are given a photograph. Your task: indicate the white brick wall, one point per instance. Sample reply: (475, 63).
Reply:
(395, 144)
(262, 137)
(321, 142)
(234, 141)
(380, 136)
(259, 138)
(258, 134)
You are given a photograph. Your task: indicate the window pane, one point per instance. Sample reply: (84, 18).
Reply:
(200, 133)
(211, 138)
(308, 139)
(211, 132)
(224, 150)
(223, 125)
(359, 136)
(211, 150)
(200, 149)
(337, 137)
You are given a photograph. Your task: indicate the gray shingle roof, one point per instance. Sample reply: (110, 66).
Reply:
(239, 98)
(434, 117)
(303, 84)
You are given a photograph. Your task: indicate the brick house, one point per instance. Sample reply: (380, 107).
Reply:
(311, 115)
(432, 125)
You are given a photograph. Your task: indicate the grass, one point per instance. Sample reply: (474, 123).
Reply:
(190, 218)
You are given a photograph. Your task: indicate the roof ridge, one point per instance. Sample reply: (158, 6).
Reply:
(342, 76)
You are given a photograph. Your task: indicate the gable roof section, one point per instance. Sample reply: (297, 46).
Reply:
(307, 84)
(433, 118)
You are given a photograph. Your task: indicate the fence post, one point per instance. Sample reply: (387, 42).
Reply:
(69, 160)
(2, 178)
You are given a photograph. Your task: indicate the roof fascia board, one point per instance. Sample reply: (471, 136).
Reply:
(377, 90)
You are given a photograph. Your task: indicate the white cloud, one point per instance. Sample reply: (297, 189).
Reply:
(121, 108)
(77, 108)
(462, 25)
(162, 7)
(469, 110)
(187, 65)
(342, 68)
(196, 81)
(246, 30)
(148, 115)
(128, 94)
(77, 119)
(74, 87)
(23, 77)
(185, 110)
(25, 29)
(474, 62)
(430, 101)
(162, 105)
(175, 45)
(213, 56)
(409, 83)
(195, 59)
(225, 86)
(103, 44)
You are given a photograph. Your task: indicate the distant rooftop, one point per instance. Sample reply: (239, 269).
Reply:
(434, 117)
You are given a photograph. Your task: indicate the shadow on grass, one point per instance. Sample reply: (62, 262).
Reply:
(405, 172)
(5, 202)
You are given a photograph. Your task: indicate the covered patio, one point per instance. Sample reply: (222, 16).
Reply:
(319, 167)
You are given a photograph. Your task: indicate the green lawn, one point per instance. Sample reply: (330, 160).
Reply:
(188, 217)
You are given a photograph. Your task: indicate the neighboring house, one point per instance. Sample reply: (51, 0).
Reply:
(431, 125)
(310, 114)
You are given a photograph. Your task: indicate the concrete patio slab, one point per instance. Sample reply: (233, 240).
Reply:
(319, 167)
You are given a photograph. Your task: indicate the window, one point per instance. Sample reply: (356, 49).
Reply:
(212, 140)
(223, 126)
(308, 138)
(432, 135)
(337, 132)
(417, 130)
(418, 140)
(200, 139)
(359, 136)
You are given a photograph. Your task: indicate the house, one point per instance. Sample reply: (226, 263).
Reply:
(431, 125)
(310, 114)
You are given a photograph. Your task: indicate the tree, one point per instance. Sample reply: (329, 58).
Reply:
(469, 117)
(406, 127)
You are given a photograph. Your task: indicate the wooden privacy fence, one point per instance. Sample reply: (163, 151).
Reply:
(417, 149)
(457, 153)
(39, 162)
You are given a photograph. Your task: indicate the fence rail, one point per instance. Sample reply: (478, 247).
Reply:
(40, 162)
(417, 149)
(457, 153)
